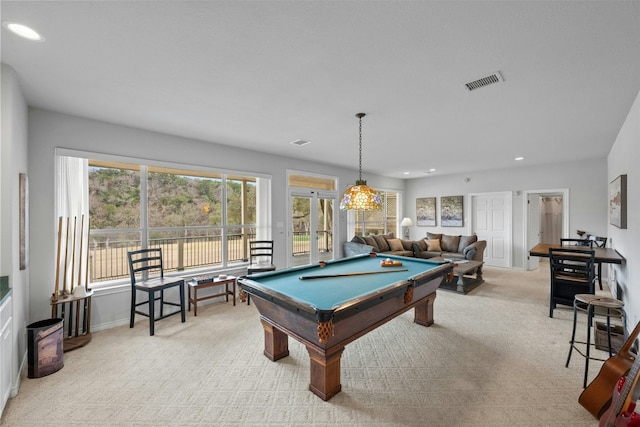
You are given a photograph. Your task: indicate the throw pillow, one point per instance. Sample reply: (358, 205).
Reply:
(431, 236)
(369, 240)
(382, 242)
(358, 239)
(395, 245)
(433, 245)
(466, 241)
(450, 243)
(422, 244)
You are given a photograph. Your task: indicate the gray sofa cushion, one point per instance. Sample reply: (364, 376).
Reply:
(381, 241)
(466, 241)
(449, 243)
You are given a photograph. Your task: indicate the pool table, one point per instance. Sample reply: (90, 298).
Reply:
(326, 306)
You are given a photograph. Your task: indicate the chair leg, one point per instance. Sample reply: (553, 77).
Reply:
(161, 302)
(573, 334)
(152, 311)
(182, 302)
(587, 358)
(133, 307)
(600, 274)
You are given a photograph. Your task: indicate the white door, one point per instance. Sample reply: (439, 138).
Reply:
(492, 222)
(534, 233)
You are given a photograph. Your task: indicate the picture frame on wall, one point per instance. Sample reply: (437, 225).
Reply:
(452, 211)
(618, 202)
(426, 212)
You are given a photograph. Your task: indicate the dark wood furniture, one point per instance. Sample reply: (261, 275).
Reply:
(208, 281)
(260, 256)
(605, 255)
(143, 263)
(598, 242)
(463, 275)
(572, 272)
(76, 312)
(355, 296)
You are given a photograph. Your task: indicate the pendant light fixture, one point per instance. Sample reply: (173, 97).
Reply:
(361, 197)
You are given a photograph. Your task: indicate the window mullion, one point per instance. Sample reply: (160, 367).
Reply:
(144, 217)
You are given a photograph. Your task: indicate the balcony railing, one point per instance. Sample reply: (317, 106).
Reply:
(182, 251)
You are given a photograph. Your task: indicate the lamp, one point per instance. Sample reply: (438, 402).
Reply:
(361, 197)
(406, 222)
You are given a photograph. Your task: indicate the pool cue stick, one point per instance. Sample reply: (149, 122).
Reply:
(66, 253)
(57, 288)
(359, 273)
(73, 253)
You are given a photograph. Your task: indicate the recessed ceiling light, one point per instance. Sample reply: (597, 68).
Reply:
(429, 171)
(300, 142)
(23, 31)
(406, 173)
(519, 158)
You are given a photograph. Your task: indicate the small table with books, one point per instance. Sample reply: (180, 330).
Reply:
(207, 281)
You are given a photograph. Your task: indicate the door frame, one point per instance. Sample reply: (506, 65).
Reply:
(525, 222)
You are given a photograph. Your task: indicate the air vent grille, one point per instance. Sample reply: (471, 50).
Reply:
(300, 142)
(484, 81)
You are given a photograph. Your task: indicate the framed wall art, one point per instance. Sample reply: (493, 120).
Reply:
(451, 211)
(426, 212)
(618, 202)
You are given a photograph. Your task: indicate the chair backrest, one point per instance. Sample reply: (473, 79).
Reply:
(260, 252)
(574, 242)
(572, 265)
(596, 241)
(145, 261)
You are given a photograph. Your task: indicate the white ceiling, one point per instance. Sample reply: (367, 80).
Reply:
(259, 75)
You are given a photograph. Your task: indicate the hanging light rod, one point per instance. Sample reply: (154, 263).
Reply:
(360, 197)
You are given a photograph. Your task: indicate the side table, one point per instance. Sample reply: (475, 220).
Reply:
(208, 281)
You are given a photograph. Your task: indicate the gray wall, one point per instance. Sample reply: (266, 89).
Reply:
(13, 161)
(623, 159)
(586, 181)
(49, 130)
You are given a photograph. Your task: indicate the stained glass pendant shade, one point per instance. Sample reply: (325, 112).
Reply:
(359, 196)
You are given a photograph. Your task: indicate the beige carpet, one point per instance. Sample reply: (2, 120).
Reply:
(493, 358)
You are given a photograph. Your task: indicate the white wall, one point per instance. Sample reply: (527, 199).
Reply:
(13, 161)
(48, 130)
(586, 181)
(623, 159)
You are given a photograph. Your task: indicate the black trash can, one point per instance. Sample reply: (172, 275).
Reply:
(45, 347)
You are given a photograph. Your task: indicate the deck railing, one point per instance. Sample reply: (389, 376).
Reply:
(183, 249)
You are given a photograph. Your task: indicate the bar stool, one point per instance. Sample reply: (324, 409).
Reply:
(595, 305)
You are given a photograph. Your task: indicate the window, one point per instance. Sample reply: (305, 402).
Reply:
(199, 218)
(379, 222)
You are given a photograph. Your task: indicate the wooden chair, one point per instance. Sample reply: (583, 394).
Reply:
(572, 272)
(598, 242)
(143, 263)
(260, 256)
(574, 242)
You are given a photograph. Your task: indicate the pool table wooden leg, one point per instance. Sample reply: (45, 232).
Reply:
(325, 372)
(423, 312)
(276, 342)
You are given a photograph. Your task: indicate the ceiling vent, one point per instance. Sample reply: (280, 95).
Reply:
(484, 81)
(300, 142)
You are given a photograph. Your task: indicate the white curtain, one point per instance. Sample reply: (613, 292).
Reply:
(263, 209)
(72, 217)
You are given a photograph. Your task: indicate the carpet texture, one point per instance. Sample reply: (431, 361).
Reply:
(492, 358)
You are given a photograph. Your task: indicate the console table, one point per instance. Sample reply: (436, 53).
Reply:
(208, 281)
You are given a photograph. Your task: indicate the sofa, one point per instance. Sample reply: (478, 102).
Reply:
(451, 247)
(434, 245)
(379, 243)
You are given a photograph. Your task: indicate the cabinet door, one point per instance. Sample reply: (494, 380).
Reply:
(5, 351)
